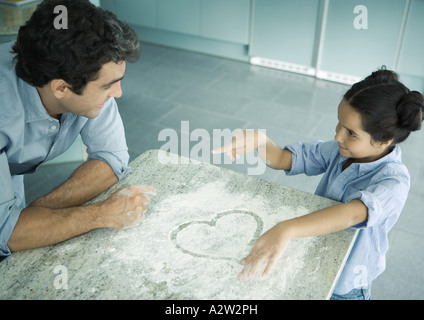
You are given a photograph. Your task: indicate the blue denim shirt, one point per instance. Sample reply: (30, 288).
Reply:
(30, 137)
(382, 185)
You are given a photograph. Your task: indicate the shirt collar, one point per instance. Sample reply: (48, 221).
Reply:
(34, 108)
(393, 156)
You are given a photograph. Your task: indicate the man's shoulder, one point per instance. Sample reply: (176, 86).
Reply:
(11, 108)
(9, 92)
(8, 78)
(6, 59)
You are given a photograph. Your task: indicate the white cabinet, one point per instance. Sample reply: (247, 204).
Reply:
(215, 19)
(338, 40)
(219, 27)
(348, 49)
(284, 31)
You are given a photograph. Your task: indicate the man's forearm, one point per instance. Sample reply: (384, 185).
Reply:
(40, 226)
(87, 181)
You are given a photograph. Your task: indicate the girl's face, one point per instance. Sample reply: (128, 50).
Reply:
(353, 141)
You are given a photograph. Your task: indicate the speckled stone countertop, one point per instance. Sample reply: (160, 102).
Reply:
(202, 222)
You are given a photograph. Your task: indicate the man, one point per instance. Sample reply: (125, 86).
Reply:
(54, 85)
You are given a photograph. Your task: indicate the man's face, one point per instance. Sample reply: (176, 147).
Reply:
(96, 92)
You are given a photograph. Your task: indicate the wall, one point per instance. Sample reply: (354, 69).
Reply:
(314, 37)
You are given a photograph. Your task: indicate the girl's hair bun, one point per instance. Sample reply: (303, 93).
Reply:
(389, 110)
(410, 111)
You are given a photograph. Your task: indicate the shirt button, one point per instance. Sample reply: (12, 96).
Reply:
(53, 127)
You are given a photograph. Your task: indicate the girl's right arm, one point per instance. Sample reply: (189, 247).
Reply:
(245, 141)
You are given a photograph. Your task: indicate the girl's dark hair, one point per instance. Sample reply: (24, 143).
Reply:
(94, 37)
(388, 109)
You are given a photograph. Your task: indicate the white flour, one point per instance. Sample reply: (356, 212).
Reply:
(206, 265)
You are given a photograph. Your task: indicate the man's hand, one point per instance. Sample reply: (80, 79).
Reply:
(126, 207)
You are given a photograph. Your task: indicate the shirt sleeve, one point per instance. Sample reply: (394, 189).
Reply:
(9, 211)
(384, 198)
(310, 158)
(104, 137)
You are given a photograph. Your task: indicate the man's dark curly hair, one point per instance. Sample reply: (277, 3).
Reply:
(94, 37)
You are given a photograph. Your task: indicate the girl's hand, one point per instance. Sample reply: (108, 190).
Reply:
(243, 141)
(267, 249)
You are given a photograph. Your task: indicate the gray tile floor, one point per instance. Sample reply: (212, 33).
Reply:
(167, 86)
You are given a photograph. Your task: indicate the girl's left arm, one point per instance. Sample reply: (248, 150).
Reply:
(271, 245)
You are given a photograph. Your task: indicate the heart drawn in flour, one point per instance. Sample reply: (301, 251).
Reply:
(226, 237)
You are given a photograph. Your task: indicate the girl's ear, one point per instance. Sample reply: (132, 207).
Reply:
(382, 145)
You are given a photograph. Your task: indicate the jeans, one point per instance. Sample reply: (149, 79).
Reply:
(363, 293)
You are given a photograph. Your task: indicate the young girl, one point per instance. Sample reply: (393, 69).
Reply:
(362, 169)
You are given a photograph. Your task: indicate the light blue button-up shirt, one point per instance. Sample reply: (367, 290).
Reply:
(382, 185)
(30, 137)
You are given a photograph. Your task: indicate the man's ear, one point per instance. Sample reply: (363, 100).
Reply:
(60, 88)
